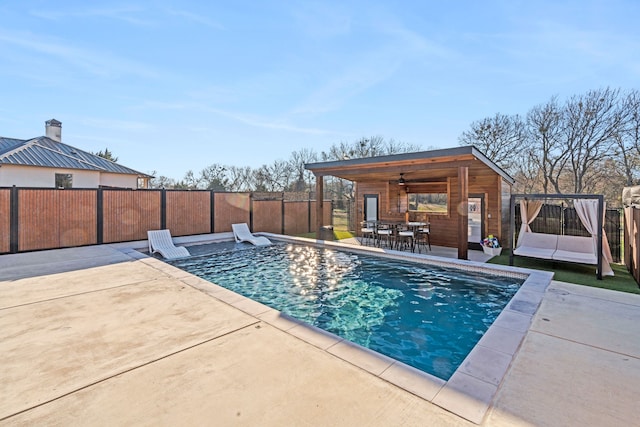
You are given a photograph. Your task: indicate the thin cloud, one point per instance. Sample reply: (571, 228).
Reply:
(97, 63)
(260, 122)
(590, 44)
(125, 14)
(199, 19)
(159, 105)
(367, 72)
(322, 21)
(372, 68)
(110, 124)
(414, 44)
(250, 120)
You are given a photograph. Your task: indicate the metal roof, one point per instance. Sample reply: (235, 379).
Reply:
(45, 152)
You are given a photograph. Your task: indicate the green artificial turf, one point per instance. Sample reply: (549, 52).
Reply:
(575, 273)
(307, 235)
(337, 235)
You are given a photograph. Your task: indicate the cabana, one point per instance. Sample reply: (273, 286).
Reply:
(459, 191)
(592, 249)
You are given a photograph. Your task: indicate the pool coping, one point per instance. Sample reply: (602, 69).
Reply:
(469, 392)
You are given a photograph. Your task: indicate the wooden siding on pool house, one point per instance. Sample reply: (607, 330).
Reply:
(460, 172)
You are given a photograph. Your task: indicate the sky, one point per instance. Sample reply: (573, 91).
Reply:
(172, 86)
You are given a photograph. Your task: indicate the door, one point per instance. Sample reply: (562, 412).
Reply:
(476, 221)
(370, 207)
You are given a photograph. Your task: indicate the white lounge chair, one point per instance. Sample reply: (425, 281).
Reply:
(160, 241)
(242, 233)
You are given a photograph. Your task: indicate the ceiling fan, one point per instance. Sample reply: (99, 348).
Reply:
(403, 182)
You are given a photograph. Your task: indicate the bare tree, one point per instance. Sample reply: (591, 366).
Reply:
(392, 146)
(546, 148)
(592, 123)
(367, 147)
(303, 179)
(499, 138)
(189, 182)
(160, 181)
(566, 148)
(529, 176)
(273, 177)
(240, 178)
(628, 140)
(345, 151)
(612, 182)
(214, 177)
(364, 147)
(106, 154)
(633, 125)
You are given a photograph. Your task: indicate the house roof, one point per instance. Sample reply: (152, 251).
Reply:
(46, 152)
(422, 165)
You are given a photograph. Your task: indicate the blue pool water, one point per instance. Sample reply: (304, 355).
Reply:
(427, 316)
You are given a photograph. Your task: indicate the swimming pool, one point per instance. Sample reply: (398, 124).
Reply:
(427, 316)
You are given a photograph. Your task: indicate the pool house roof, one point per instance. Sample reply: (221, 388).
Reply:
(420, 166)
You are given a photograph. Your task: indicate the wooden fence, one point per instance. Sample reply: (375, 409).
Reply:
(632, 241)
(37, 218)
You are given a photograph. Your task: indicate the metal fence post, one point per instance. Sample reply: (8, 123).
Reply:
(100, 216)
(163, 209)
(251, 212)
(14, 234)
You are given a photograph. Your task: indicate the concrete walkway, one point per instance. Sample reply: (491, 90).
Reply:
(106, 336)
(579, 364)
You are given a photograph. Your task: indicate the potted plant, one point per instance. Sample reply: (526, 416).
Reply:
(491, 246)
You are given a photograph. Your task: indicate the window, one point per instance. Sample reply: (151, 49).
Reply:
(432, 203)
(431, 198)
(64, 180)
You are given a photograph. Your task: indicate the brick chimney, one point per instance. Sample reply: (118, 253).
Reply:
(53, 129)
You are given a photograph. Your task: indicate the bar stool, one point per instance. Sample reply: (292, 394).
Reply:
(406, 240)
(368, 233)
(385, 232)
(423, 238)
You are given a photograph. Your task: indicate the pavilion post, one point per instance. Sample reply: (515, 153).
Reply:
(599, 238)
(463, 212)
(512, 227)
(319, 204)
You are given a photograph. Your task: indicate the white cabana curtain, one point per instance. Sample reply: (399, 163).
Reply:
(587, 210)
(529, 210)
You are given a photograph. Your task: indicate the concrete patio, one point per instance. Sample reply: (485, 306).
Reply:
(104, 335)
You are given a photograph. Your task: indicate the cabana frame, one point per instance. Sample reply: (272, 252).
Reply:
(599, 197)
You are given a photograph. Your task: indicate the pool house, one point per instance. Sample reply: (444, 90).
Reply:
(462, 194)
